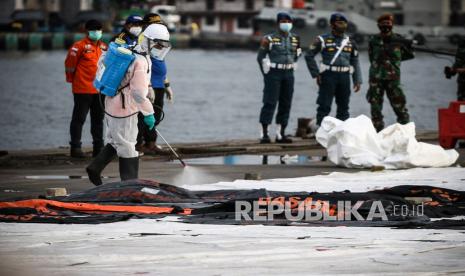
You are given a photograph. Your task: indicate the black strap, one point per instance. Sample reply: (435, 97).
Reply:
(122, 95)
(123, 101)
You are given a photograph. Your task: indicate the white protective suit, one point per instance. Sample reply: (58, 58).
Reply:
(122, 133)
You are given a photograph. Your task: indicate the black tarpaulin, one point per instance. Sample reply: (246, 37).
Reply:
(149, 199)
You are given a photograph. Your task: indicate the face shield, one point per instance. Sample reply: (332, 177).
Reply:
(159, 48)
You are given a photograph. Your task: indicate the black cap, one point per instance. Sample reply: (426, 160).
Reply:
(337, 17)
(93, 25)
(283, 16)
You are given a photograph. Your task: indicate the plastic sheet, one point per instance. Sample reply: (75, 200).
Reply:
(354, 143)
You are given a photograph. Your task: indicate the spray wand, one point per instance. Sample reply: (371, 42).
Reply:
(172, 150)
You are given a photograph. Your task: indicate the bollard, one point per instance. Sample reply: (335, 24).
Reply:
(303, 127)
(11, 42)
(35, 41)
(58, 41)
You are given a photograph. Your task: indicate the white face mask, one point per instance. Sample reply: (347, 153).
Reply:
(285, 27)
(135, 30)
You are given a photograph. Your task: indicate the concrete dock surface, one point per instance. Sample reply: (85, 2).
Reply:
(29, 173)
(167, 247)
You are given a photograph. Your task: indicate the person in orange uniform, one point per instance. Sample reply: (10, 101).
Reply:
(81, 67)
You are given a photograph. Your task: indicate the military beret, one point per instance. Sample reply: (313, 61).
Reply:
(386, 17)
(337, 17)
(283, 16)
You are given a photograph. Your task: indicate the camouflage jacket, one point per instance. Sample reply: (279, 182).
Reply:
(460, 60)
(386, 56)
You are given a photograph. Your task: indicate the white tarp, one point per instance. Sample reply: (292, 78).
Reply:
(356, 182)
(354, 143)
(167, 247)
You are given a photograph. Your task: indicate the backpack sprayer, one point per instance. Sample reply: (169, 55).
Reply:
(111, 72)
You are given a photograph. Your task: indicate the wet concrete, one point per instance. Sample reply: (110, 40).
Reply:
(14, 181)
(17, 182)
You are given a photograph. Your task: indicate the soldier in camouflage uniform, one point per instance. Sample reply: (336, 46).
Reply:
(459, 67)
(386, 50)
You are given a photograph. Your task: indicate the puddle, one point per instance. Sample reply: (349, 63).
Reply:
(59, 177)
(257, 160)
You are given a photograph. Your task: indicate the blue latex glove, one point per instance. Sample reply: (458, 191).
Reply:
(149, 120)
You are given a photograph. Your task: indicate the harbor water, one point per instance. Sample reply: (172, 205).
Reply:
(217, 97)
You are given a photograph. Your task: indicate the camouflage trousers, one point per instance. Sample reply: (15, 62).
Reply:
(461, 91)
(375, 97)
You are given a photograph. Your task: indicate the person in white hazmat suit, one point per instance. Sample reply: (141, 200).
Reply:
(121, 110)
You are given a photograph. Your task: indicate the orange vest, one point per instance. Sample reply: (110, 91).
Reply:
(81, 65)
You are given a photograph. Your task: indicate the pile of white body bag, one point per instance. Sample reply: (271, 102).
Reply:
(354, 143)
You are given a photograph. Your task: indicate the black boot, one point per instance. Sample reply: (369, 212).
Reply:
(281, 137)
(77, 153)
(265, 139)
(97, 149)
(129, 168)
(94, 170)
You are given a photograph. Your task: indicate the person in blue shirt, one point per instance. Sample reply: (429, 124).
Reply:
(160, 88)
(131, 30)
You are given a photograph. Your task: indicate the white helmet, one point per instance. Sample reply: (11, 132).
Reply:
(157, 31)
(158, 39)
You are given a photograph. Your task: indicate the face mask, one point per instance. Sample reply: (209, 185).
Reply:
(285, 27)
(159, 54)
(385, 29)
(340, 28)
(95, 35)
(135, 31)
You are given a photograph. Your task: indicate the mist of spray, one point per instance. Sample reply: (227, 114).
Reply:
(193, 175)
